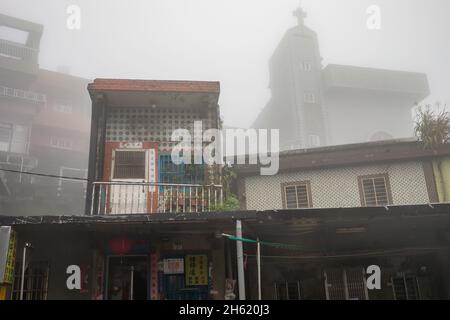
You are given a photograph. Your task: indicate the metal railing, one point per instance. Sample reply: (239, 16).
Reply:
(33, 97)
(120, 197)
(18, 51)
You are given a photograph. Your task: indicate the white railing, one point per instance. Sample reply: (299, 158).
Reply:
(146, 198)
(17, 160)
(17, 51)
(22, 94)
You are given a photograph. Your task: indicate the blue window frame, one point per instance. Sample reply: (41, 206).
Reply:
(179, 174)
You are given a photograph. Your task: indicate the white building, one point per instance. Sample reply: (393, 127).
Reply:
(373, 174)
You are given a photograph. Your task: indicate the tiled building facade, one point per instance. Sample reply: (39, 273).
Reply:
(339, 187)
(128, 124)
(396, 172)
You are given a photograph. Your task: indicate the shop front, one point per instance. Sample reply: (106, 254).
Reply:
(135, 259)
(136, 270)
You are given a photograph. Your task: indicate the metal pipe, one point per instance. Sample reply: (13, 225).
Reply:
(132, 283)
(92, 199)
(22, 280)
(99, 200)
(240, 260)
(258, 254)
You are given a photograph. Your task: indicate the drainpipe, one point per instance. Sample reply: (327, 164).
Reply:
(258, 261)
(240, 260)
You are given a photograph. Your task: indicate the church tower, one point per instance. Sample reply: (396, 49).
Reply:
(296, 106)
(311, 104)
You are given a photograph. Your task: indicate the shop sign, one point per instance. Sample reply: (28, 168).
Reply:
(196, 270)
(8, 245)
(174, 266)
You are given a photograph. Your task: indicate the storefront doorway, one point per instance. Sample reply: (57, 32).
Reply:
(128, 278)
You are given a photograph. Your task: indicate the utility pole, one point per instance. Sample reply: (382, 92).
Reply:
(240, 260)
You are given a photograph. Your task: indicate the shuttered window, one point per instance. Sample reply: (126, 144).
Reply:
(297, 195)
(406, 287)
(375, 191)
(129, 165)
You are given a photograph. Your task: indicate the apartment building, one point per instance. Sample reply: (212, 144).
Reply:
(44, 127)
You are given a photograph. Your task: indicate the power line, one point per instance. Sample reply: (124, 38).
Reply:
(265, 243)
(43, 175)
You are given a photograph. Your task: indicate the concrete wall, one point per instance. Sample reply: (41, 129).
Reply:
(338, 187)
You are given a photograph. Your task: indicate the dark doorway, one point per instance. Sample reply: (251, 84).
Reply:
(128, 278)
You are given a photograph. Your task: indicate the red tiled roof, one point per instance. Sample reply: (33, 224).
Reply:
(154, 85)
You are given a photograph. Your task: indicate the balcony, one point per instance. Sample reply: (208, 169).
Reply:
(109, 198)
(28, 96)
(17, 161)
(18, 51)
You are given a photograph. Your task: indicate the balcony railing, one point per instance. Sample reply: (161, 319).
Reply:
(33, 97)
(17, 160)
(146, 198)
(17, 51)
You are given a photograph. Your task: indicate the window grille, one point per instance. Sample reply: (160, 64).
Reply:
(297, 195)
(129, 165)
(35, 282)
(375, 191)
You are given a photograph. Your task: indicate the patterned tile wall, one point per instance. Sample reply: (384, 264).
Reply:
(153, 124)
(338, 187)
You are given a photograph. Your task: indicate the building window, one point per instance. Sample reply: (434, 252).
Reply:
(35, 281)
(405, 287)
(346, 284)
(63, 108)
(375, 190)
(309, 97)
(14, 138)
(5, 136)
(183, 173)
(314, 140)
(129, 165)
(297, 195)
(61, 143)
(287, 290)
(19, 143)
(306, 66)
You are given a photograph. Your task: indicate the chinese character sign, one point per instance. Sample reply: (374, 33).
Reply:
(196, 270)
(173, 266)
(7, 255)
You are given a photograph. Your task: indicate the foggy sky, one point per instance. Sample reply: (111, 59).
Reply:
(231, 41)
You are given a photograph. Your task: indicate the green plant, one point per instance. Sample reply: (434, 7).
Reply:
(432, 127)
(230, 204)
(228, 176)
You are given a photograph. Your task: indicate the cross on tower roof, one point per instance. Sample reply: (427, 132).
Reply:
(301, 15)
